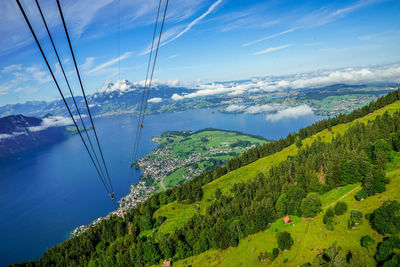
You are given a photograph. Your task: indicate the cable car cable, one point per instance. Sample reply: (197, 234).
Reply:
(84, 96)
(69, 88)
(59, 89)
(152, 72)
(139, 125)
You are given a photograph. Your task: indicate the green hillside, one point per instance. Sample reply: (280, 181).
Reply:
(232, 216)
(181, 155)
(177, 213)
(310, 236)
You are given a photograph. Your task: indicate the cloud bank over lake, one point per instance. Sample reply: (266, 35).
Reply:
(290, 113)
(351, 76)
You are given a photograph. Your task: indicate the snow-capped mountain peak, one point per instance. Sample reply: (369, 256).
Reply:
(121, 85)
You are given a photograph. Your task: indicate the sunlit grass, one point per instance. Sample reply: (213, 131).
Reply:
(263, 165)
(176, 213)
(310, 236)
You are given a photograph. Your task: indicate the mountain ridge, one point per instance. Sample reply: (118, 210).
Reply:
(19, 133)
(125, 97)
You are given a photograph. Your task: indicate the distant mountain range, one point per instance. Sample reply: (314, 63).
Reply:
(121, 97)
(19, 133)
(125, 97)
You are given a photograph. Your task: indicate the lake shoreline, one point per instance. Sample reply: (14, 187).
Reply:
(162, 161)
(50, 191)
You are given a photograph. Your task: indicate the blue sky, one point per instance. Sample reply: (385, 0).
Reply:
(204, 41)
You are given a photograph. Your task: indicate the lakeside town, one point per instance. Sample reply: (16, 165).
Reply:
(139, 192)
(164, 160)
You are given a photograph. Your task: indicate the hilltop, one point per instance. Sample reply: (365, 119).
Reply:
(181, 155)
(232, 214)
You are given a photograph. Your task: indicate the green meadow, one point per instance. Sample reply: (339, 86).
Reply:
(263, 165)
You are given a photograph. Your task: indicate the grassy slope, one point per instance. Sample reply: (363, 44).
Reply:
(182, 145)
(180, 215)
(174, 178)
(309, 236)
(177, 214)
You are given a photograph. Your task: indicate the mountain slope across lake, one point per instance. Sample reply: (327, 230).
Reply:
(19, 133)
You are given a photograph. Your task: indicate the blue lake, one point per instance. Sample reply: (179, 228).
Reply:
(46, 193)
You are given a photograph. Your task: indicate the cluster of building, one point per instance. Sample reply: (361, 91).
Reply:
(158, 164)
(139, 193)
(348, 105)
(232, 101)
(161, 162)
(191, 172)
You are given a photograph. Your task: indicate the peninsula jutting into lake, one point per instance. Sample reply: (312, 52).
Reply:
(180, 156)
(200, 133)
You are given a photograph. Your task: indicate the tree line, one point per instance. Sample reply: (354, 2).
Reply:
(292, 187)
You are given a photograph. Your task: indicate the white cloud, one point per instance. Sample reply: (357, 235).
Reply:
(6, 136)
(12, 68)
(171, 83)
(110, 62)
(82, 13)
(290, 113)
(19, 78)
(27, 89)
(324, 16)
(172, 56)
(38, 74)
(366, 37)
(155, 100)
(143, 12)
(351, 76)
(234, 108)
(124, 85)
(189, 26)
(236, 93)
(79, 15)
(66, 60)
(217, 88)
(120, 85)
(272, 49)
(194, 22)
(257, 16)
(4, 89)
(89, 62)
(176, 97)
(156, 82)
(386, 74)
(54, 121)
(264, 108)
(269, 37)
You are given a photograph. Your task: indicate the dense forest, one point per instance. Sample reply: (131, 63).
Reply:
(292, 187)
